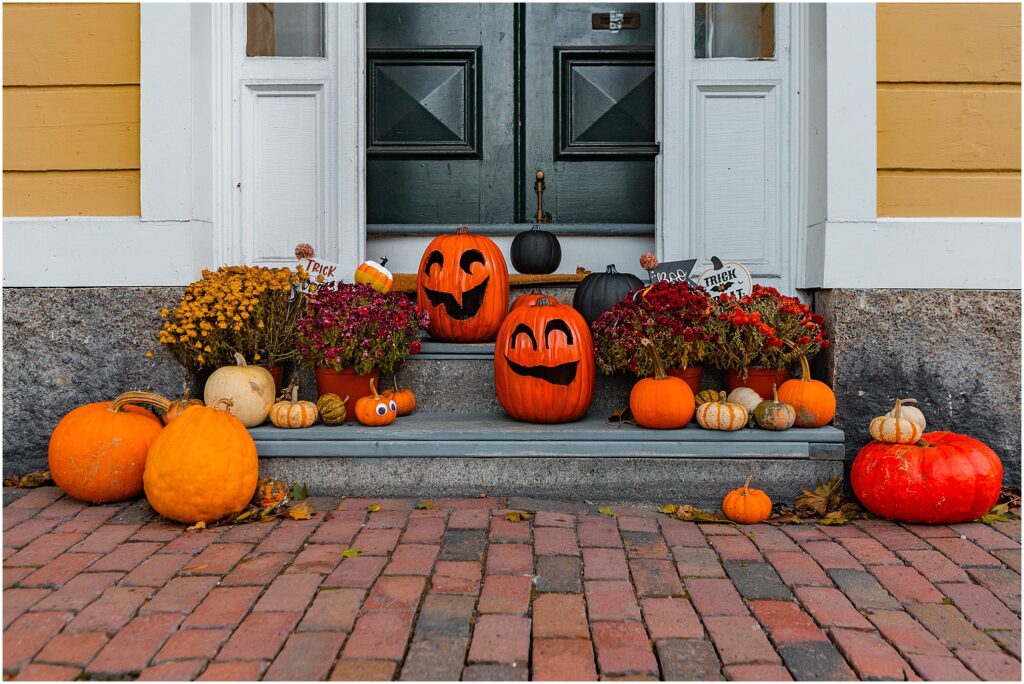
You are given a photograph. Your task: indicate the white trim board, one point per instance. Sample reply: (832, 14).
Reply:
(967, 254)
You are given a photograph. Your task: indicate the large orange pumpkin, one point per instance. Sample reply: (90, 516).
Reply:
(462, 283)
(202, 467)
(544, 363)
(662, 402)
(813, 400)
(98, 451)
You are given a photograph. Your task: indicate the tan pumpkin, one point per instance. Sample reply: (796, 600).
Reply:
(896, 429)
(332, 409)
(911, 413)
(293, 413)
(250, 389)
(722, 415)
(748, 399)
(772, 414)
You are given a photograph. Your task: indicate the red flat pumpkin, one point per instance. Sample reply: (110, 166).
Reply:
(945, 478)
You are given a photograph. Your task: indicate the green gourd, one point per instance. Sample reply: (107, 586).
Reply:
(331, 408)
(704, 396)
(774, 414)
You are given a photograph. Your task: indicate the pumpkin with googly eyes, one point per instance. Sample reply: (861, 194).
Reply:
(462, 283)
(544, 363)
(375, 410)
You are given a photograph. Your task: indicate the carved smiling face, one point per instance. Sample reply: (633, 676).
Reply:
(544, 363)
(463, 284)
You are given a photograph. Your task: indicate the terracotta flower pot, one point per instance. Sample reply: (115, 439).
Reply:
(691, 376)
(758, 379)
(277, 372)
(345, 383)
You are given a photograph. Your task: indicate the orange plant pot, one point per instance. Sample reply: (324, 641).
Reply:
(345, 383)
(758, 379)
(691, 376)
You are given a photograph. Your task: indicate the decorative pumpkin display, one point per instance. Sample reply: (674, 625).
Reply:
(535, 251)
(292, 413)
(599, 292)
(747, 398)
(661, 402)
(746, 505)
(202, 467)
(722, 415)
(911, 413)
(772, 414)
(813, 400)
(374, 410)
(894, 428)
(177, 406)
(375, 275)
(527, 299)
(250, 390)
(331, 408)
(270, 493)
(404, 398)
(945, 478)
(704, 396)
(544, 363)
(462, 283)
(97, 452)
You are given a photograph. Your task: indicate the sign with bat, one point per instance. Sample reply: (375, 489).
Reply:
(728, 278)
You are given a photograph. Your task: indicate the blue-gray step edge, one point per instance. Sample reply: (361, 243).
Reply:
(431, 435)
(433, 350)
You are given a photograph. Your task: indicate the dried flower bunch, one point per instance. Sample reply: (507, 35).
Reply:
(672, 315)
(354, 326)
(764, 329)
(246, 309)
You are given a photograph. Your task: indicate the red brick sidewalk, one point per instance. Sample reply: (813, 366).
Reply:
(458, 591)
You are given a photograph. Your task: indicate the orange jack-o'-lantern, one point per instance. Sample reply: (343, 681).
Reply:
(544, 363)
(463, 284)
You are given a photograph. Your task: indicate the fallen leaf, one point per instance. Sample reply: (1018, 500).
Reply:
(998, 513)
(246, 515)
(31, 480)
(198, 526)
(694, 514)
(482, 495)
(668, 508)
(373, 508)
(301, 511)
(300, 491)
(517, 516)
(425, 506)
(837, 520)
(607, 510)
(351, 553)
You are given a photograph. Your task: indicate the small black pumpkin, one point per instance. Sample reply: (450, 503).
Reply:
(536, 251)
(599, 292)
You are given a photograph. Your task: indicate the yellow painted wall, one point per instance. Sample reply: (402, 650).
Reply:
(71, 109)
(949, 109)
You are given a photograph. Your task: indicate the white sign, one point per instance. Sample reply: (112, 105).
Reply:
(319, 271)
(729, 278)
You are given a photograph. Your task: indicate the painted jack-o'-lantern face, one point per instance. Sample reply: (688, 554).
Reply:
(463, 284)
(544, 363)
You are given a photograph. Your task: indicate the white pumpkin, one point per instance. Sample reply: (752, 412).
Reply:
(747, 398)
(722, 415)
(896, 428)
(911, 413)
(250, 389)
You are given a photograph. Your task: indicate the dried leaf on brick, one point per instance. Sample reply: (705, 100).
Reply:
(517, 516)
(301, 511)
(351, 553)
(424, 506)
(373, 508)
(607, 510)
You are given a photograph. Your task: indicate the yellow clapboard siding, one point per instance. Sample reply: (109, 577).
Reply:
(71, 193)
(949, 42)
(70, 43)
(922, 127)
(924, 194)
(89, 127)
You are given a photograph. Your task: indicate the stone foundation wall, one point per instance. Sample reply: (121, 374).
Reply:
(956, 351)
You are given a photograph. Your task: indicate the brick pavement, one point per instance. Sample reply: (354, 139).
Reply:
(457, 591)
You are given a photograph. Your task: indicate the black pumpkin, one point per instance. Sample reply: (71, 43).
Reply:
(536, 251)
(601, 291)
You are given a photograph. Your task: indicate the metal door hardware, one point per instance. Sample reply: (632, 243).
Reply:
(615, 21)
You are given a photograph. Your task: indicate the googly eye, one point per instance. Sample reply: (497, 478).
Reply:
(382, 409)
(393, 406)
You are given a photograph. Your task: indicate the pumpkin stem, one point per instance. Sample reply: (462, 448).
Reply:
(746, 484)
(898, 410)
(775, 393)
(295, 393)
(345, 399)
(240, 360)
(383, 262)
(610, 268)
(137, 399)
(373, 388)
(659, 367)
(223, 400)
(544, 301)
(462, 230)
(805, 369)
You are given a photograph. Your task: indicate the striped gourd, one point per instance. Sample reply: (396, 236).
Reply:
(332, 409)
(722, 415)
(896, 428)
(292, 413)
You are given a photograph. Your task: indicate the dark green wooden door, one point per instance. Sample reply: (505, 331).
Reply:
(466, 102)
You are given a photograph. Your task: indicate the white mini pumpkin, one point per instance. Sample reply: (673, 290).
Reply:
(911, 413)
(896, 428)
(722, 415)
(293, 413)
(747, 398)
(250, 389)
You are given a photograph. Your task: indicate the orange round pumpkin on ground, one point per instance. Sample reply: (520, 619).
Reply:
(747, 505)
(203, 466)
(661, 402)
(813, 400)
(98, 451)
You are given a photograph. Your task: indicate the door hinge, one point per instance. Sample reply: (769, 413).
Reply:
(615, 21)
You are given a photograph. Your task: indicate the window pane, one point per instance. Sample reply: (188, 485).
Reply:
(285, 29)
(734, 30)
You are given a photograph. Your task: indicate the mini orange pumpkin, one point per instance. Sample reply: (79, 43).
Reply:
(662, 402)
(178, 406)
(98, 451)
(292, 413)
(746, 505)
(404, 398)
(374, 410)
(813, 400)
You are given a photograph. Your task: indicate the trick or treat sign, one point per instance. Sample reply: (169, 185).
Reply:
(319, 272)
(728, 278)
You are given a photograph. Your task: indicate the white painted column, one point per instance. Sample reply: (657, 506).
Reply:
(351, 173)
